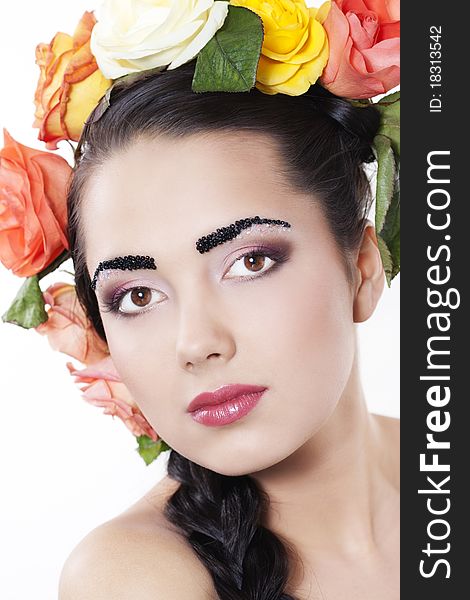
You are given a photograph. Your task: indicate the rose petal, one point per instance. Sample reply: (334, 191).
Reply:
(337, 28)
(214, 22)
(368, 62)
(66, 62)
(363, 34)
(382, 56)
(33, 205)
(271, 72)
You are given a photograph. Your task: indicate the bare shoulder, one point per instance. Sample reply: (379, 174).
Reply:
(138, 554)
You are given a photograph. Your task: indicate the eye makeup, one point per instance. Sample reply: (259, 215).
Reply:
(203, 244)
(278, 253)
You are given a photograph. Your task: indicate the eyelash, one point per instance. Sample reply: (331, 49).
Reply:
(278, 255)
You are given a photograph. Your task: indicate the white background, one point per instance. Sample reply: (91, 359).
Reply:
(65, 467)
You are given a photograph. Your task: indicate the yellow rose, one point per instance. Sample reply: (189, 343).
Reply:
(295, 45)
(70, 84)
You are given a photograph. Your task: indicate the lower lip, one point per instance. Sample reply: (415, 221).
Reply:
(227, 412)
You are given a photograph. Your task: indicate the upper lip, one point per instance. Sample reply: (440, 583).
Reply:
(222, 394)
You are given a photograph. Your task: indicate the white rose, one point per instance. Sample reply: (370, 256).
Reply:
(137, 35)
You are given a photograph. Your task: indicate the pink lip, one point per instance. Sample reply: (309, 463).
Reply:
(225, 404)
(222, 394)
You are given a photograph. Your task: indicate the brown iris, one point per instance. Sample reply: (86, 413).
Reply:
(140, 296)
(256, 261)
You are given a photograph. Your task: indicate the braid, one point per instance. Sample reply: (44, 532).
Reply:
(220, 516)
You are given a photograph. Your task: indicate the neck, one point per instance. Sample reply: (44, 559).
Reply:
(330, 494)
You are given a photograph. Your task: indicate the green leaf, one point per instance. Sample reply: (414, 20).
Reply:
(386, 259)
(229, 61)
(27, 309)
(387, 213)
(148, 449)
(390, 99)
(390, 235)
(389, 107)
(386, 175)
(387, 150)
(361, 102)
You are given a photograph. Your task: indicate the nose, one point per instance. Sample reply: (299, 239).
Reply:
(204, 334)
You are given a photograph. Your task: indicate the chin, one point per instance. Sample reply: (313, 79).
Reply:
(247, 459)
(251, 445)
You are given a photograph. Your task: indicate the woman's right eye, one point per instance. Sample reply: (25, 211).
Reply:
(131, 301)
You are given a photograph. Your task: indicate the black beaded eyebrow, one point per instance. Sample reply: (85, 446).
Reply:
(224, 234)
(129, 262)
(205, 243)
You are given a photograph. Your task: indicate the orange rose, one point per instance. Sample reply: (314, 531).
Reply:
(364, 38)
(67, 328)
(103, 387)
(33, 209)
(70, 84)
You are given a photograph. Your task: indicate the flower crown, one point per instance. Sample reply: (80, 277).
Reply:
(350, 47)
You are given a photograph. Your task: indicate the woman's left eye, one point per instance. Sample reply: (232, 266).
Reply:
(252, 262)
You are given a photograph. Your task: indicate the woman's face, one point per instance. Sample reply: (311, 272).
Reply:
(282, 319)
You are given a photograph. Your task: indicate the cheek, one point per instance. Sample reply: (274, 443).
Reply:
(311, 342)
(139, 357)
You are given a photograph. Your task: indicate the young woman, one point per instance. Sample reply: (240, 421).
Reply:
(222, 250)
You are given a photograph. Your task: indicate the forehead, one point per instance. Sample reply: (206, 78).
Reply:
(162, 194)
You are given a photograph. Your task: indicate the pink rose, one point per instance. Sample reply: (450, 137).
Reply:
(103, 387)
(364, 38)
(67, 328)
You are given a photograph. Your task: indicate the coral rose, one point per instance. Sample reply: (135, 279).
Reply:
(137, 35)
(295, 44)
(33, 210)
(67, 328)
(103, 387)
(364, 38)
(70, 84)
